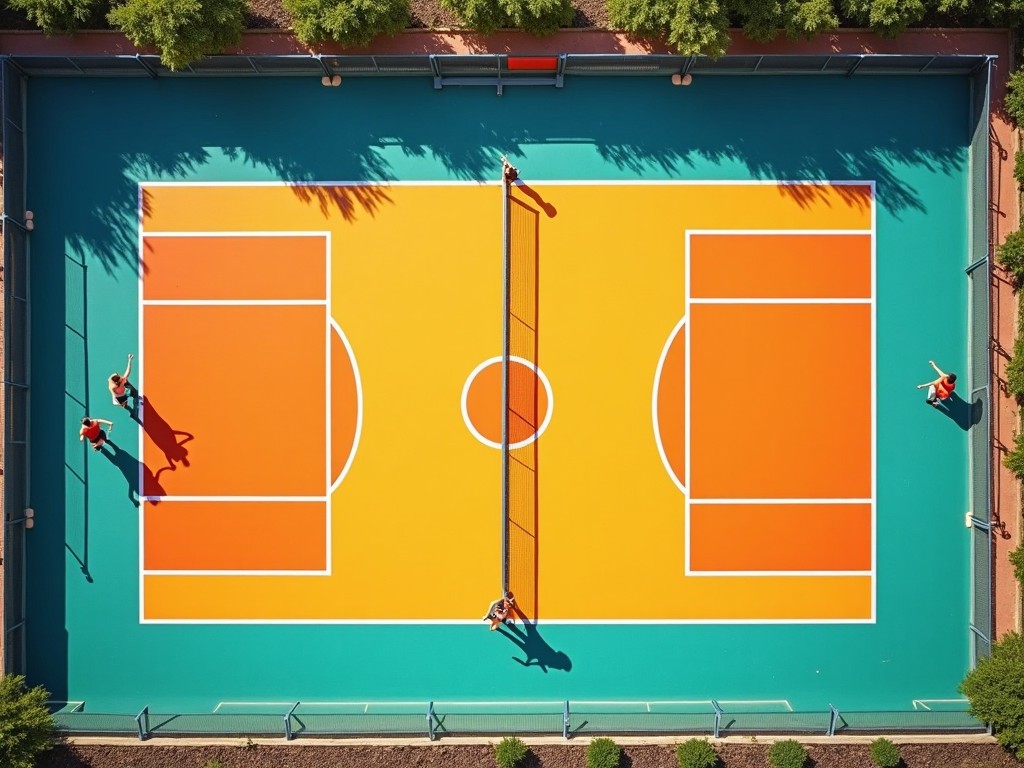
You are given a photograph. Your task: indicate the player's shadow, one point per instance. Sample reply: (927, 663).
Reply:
(169, 440)
(133, 471)
(534, 647)
(964, 414)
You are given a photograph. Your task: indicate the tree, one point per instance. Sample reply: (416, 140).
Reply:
(995, 689)
(57, 17)
(763, 20)
(26, 726)
(700, 27)
(888, 18)
(538, 17)
(182, 30)
(648, 18)
(352, 23)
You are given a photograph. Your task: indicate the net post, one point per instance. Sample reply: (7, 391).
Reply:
(718, 717)
(288, 735)
(565, 720)
(430, 721)
(833, 718)
(506, 332)
(143, 717)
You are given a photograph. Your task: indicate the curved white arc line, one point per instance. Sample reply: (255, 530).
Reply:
(543, 380)
(654, 404)
(359, 405)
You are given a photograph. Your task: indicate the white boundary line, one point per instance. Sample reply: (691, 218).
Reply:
(575, 182)
(689, 234)
(330, 325)
(463, 403)
(923, 703)
(680, 484)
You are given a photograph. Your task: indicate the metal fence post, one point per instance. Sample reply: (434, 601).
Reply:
(565, 720)
(288, 722)
(718, 717)
(143, 730)
(833, 718)
(430, 720)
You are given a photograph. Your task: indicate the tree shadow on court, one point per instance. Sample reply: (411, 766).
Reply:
(133, 470)
(965, 415)
(169, 440)
(534, 647)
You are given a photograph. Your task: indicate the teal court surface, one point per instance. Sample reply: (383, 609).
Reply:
(374, 209)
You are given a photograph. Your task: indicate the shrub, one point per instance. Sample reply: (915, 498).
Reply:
(696, 753)
(26, 726)
(787, 754)
(887, 18)
(57, 17)
(349, 22)
(510, 752)
(995, 689)
(182, 31)
(885, 754)
(1014, 460)
(1018, 167)
(1017, 558)
(1014, 101)
(1015, 368)
(1011, 255)
(603, 753)
(538, 17)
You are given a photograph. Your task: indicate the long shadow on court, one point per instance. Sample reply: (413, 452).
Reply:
(169, 440)
(536, 649)
(133, 470)
(965, 415)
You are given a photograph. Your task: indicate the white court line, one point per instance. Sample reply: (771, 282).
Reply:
(297, 499)
(780, 301)
(537, 182)
(874, 402)
(464, 401)
(328, 323)
(546, 622)
(359, 407)
(691, 233)
(655, 392)
(780, 501)
(923, 703)
(234, 303)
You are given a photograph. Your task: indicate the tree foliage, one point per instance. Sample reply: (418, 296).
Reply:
(603, 753)
(182, 31)
(510, 752)
(349, 22)
(696, 753)
(1017, 559)
(26, 726)
(787, 753)
(884, 753)
(538, 17)
(57, 17)
(995, 689)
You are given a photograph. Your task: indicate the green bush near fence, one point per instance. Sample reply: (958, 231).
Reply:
(1015, 368)
(1011, 255)
(183, 31)
(1014, 460)
(538, 17)
(510, 752)
(995, 689)
(1017, 559)
(696, 753)
(885, 754)
(56, 17)
(26, 725)
(1013, 102)
(349, 22)
(603, 753)
(787, 754)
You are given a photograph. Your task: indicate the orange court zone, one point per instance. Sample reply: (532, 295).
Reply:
(369, 319)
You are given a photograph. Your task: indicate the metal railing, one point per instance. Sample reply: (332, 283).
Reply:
(435, 719)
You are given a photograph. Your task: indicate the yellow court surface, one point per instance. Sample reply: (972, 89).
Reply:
(678, 361)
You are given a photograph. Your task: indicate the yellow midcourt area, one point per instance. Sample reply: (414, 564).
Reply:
(333, 365)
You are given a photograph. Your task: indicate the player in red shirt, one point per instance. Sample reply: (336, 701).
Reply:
(91, 429)
(941, 388)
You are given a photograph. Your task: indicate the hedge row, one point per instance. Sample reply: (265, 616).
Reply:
(185, 30)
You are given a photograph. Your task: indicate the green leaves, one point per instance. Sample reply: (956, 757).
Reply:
(996, 691)
(56, 17)
(538, 17)
(26, 726)
(349, 22)
(182, 30)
